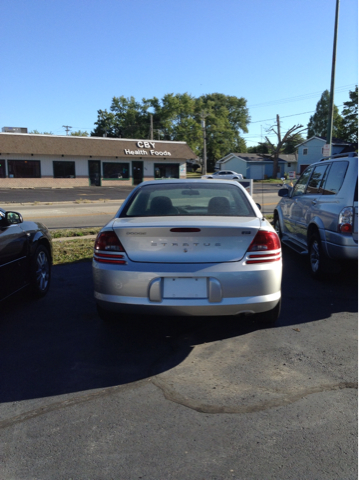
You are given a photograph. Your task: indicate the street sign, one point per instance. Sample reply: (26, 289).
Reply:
(326, 150)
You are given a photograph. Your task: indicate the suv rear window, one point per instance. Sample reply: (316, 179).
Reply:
(335, 178)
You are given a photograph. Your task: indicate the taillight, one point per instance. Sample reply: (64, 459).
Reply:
(108, 242)
(263, 243)
(345, 220)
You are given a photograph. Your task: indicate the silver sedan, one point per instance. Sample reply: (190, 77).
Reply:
(188, 247)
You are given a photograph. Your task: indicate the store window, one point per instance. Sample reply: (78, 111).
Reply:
(116, 170)
(166, 170)
(24, 168)
(64, 169)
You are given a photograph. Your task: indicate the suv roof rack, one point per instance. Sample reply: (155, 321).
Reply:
(340, 155)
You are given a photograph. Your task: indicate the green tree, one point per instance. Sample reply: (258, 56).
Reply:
(350, 118)
(177, 117)
(318, 123)
(225, 116)
(290, 146)
(36, 132)
(127, 119)
(79, 133)
(260, 148)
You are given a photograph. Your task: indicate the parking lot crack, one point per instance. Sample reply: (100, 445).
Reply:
(69, 402)
(285, 398)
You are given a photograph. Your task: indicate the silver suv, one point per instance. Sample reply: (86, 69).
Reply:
(319, 215)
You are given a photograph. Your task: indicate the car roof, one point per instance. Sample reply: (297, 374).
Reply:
(188, 181)
(340, 156)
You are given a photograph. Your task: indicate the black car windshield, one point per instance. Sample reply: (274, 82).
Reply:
(188, 200)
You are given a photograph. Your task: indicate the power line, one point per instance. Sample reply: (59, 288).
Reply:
(298, 97)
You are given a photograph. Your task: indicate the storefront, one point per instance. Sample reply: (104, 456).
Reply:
(28, 160)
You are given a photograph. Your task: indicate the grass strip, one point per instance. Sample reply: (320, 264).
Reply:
(71, 251)
(75, 232)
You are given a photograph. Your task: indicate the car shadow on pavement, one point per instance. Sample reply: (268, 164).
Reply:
(59, 345)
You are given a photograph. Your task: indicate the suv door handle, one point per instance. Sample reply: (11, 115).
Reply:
(314, 202)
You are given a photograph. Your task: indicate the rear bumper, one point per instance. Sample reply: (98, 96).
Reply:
(342, 252)
(339, 246)
(188, 307)
(232, 288)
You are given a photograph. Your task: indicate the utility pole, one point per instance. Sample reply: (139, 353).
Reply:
(67, 128)
(203, 123)
(151, 127)
(278, 127)
(331, 102)
(204, 148)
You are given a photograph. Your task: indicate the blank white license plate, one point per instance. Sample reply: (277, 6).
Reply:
(185, 288)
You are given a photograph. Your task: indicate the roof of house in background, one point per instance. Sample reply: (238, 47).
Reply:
(335, 141)
(259, 157)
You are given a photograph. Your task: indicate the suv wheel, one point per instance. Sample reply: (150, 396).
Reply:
(276, 226)
(317, 258)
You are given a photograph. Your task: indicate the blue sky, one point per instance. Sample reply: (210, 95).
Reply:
(61, 61)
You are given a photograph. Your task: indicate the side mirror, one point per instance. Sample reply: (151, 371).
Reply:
(13, 218)
(284, 192)
(259, 206)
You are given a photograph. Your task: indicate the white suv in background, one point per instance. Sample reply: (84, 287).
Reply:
(319, 215)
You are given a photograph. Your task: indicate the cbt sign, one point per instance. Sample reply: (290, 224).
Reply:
(147, 148)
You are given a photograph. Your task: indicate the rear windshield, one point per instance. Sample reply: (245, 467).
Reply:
(189, 200)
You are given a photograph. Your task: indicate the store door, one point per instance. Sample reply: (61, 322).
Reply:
(95, 173)
(2, 168)
(137, 172)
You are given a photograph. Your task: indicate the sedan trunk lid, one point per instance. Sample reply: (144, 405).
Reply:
(198, 240)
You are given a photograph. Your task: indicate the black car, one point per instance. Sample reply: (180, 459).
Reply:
(25, 255)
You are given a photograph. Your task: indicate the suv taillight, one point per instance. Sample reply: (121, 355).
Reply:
(263, 243)
(345, 221)
(108, 242)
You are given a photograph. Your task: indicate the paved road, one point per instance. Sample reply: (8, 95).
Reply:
(55, 195)
(95, 206)
(70, 215)
(174, 398)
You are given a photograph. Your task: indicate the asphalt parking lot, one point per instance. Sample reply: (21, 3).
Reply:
(173, 398)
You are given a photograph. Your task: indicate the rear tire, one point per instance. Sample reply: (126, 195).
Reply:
(276, 225)
(269, 319)
(317, 258)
